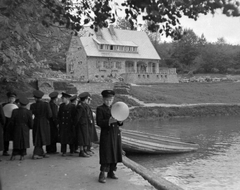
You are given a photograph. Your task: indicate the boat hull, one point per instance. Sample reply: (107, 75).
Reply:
(140, 142)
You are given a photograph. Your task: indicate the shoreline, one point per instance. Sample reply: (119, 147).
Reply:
(194, 110)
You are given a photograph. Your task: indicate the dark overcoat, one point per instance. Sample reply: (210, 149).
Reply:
(91, 125)
(7, 129)
(110, 149)
(2, 122)
(66, 115)
(81, 123)
(41, 128)
(22, 122)
(53, 121)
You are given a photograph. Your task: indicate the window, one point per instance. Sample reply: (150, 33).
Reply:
(111, 47)
(101, 46)
(135, 49)
(98, 64)
(105, 64)
(118, 65)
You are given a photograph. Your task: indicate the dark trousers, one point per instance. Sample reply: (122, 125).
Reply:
(108, 167)
(52, 148)
(6, 146)
(21, 152)
(38, 150)
(64, 148)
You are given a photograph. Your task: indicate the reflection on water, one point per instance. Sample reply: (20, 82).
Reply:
(215, 166)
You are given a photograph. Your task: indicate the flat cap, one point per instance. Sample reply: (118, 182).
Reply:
(108, 93)
(73, 98)
(11, 94)
(53, 94)
(38, 94)
(65, 95)
(84, 95)
(23, 100)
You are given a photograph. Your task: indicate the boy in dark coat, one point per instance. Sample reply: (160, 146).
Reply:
(41, 128)
(2, 122)
(82, 124)
(91, 122)
(74, 100)
(22, 122)
(53, 122)
(7, 131)
(110, 149)
(66, 115)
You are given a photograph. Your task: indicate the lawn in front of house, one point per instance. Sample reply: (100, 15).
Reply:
(189, 93)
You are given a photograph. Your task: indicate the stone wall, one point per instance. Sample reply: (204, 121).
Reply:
(144, 78)
(92, 88)
(76, 62)
(99, 73)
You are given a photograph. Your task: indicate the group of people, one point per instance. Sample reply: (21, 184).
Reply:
(71, 124)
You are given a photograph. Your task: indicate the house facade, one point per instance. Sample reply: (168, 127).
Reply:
(116, 55)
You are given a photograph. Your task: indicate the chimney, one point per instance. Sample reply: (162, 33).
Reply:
(112, 32)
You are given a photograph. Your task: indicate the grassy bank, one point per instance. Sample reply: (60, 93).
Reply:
(189, 93)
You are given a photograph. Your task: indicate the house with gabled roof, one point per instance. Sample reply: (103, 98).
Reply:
(113, 55)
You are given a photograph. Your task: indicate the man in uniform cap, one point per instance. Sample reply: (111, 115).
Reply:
(41, 129)
(22, 122)
(7, 130)
(66, 128)
(110, 149)
(53, 122)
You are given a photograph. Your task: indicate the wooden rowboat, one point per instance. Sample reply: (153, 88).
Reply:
(141, 142)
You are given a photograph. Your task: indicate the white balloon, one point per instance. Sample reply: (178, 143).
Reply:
(120, 111)
(8, 108)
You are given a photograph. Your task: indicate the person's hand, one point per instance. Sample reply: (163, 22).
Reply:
(112, 120)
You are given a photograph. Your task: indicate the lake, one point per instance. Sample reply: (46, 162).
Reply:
(214, 166)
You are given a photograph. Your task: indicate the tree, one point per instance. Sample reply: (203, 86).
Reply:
(162, 14)
(124, 24)
(186, 48)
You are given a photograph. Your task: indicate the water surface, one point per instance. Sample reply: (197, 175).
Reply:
(215, 166)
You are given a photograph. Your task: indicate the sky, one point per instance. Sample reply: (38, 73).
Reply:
(214, 27)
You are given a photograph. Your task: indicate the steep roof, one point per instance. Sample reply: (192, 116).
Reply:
(119, 37)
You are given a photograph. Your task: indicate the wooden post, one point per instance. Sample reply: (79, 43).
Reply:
(157, 182)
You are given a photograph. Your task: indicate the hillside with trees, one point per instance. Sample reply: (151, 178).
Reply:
(35, 34)
(193, 54)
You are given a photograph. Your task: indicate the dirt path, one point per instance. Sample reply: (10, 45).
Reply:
(172, 105)
(64, 173)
